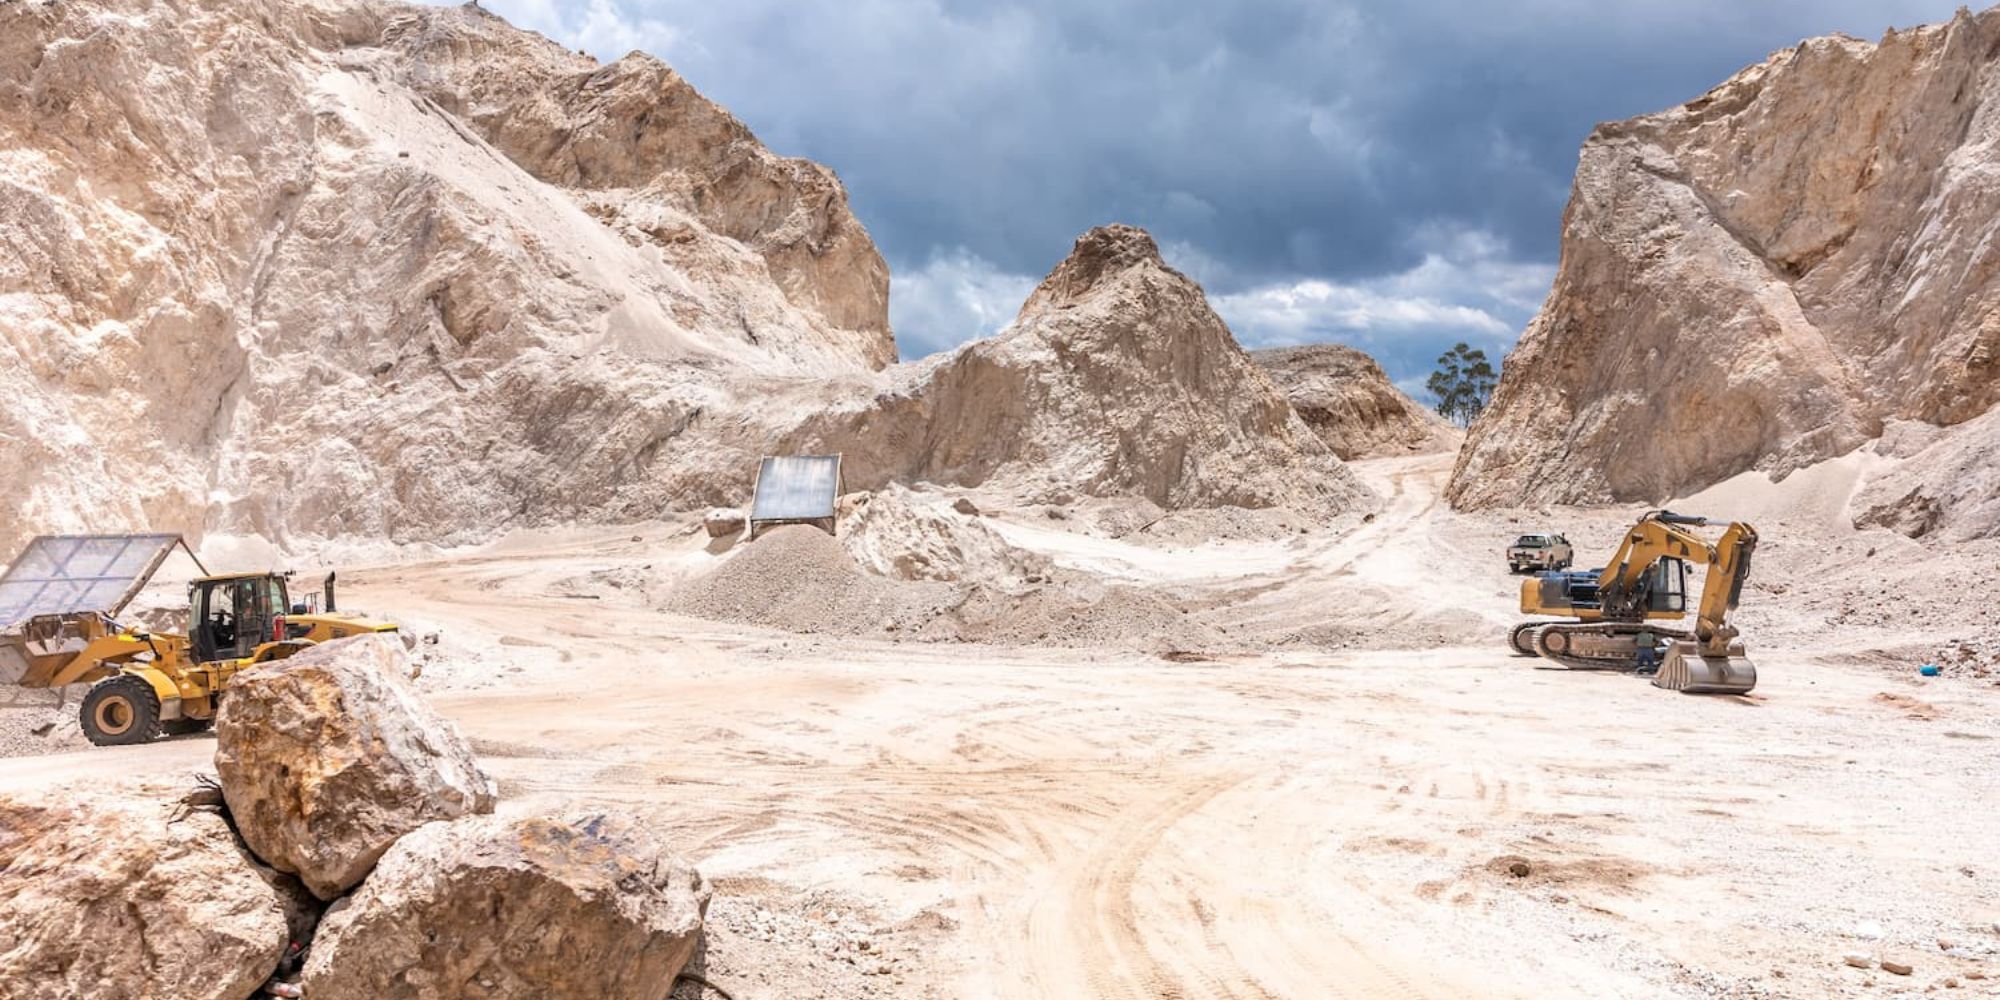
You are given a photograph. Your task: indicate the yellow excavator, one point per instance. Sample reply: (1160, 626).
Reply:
(1612, 611)
(145, 683)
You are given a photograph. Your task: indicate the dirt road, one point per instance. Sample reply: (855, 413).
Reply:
(940, 820)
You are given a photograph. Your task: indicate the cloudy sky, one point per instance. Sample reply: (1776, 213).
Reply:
(1388, 175)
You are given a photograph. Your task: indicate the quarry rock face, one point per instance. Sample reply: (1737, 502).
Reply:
(1116, 379)
(514, 909)
(113, 895)
(1343, 395)
(356, 268)
(330, 755)
(1763, 277)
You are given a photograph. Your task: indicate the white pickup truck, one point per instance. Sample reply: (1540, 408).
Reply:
(1539, 552)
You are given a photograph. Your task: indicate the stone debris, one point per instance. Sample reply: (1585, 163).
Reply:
(896, 532)
(723, 522)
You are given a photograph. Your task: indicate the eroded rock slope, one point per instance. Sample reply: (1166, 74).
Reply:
(1763, 277)
(341, 267)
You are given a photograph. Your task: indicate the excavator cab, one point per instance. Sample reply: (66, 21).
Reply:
(1666, 586)
(1661, 591)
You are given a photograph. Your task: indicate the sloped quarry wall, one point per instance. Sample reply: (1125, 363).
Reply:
(350, 269)
(296, 267)
(1761, 278)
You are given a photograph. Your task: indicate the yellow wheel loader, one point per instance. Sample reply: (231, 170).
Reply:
(1613, 613)
(145, 683)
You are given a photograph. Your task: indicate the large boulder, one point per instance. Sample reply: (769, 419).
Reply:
(327, 757)
(135, 897)
(495, 908)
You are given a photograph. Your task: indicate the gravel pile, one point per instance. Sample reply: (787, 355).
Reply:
(801, 579)
(798, 577)
(38, 721)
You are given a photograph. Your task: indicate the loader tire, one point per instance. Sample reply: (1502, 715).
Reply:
(121, 711)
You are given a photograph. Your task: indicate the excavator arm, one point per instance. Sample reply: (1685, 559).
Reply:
(1729, 567)
(1713, 662)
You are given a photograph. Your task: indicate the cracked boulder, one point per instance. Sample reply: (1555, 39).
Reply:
(514, 909)
(327, 757)
(135, 898)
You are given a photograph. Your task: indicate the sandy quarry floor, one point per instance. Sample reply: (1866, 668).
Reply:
(944, 820)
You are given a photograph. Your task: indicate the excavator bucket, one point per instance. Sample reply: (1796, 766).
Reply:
(1686, 670)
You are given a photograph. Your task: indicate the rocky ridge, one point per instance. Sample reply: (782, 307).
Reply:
(1115, 379)
(1342, 394)
(1763, 278)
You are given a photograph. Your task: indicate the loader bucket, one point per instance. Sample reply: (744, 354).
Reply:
(1688, 671)
(23, 664)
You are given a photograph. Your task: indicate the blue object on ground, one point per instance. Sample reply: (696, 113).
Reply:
(1929, 670)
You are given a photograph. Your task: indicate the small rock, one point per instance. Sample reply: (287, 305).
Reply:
(1896, 968)
(722, 522)
(965, 506)
(1520, 869)
(1951, 984)
(1869, 930)
(1858, 960)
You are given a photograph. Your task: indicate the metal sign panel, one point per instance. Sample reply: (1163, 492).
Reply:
(796, 488)
(62, 574)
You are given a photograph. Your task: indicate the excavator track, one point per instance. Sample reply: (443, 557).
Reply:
(1597, 645)
(1522, 639)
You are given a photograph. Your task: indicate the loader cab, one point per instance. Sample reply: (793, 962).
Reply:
(230, 616)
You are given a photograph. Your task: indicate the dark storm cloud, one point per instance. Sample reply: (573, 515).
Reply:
(1269, 142)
